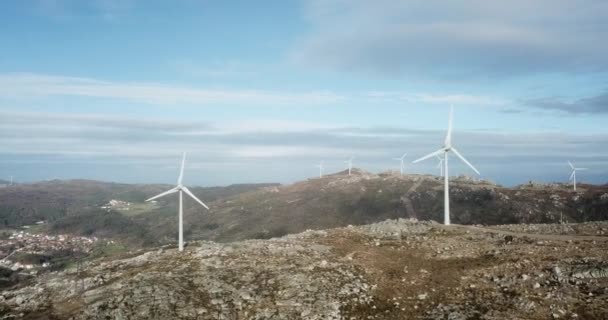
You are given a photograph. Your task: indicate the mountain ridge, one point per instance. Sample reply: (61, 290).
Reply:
(264, 211)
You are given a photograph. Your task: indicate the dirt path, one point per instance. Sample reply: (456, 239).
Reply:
(550, 237)
(406, 200)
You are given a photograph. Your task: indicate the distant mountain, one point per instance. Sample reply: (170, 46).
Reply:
(362, 198)
(74, 206)
(269, 210)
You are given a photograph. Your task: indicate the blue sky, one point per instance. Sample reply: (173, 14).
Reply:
(116, 90)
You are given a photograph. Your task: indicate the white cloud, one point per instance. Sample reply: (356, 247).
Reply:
(461, 38)
(88, 142)
(433, 98)
(460, 99)
(268, 125)
(23, 85)
(285, 151)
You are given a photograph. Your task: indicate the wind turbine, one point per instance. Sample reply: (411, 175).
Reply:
(350, 164)
(440, 165)
(401, 159)
(180, 188)
(573, 175)
(447, 147)
(320, 166)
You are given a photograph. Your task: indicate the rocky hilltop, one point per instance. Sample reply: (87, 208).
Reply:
(396, 269)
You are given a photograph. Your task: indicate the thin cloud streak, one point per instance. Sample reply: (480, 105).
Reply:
(597, 104)
(23, 85)
(24, 133)
(83, 141)
(26, 86)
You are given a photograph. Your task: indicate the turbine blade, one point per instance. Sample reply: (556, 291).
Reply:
(194, 197)
(436, 153)
(174, 190)
(465, 160)
(581, 168)
(572, 175)
(571, 166)
(448, 137)
(181, 172)
(403, 156)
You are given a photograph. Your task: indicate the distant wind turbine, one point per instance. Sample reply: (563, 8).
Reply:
(320, 166)
(180, 188)
(11, 180)
(440, 165)
(402, 164)
(447, 147)
(350, 164)
(573, 175)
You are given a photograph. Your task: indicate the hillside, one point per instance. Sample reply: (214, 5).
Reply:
(362, 198)
(399, 269)
(269, 210)
(74, 206)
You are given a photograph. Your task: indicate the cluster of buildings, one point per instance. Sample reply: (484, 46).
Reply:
(39, 244)
(116, 204)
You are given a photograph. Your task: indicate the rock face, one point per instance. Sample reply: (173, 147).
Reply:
(396, 269)
(276, 279)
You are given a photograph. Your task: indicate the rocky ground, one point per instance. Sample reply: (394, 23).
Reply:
(587, 228)
(397, 269)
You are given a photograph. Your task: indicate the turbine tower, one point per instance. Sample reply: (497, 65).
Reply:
(573, 175)
(402, 164)
(350, 164)
(181, 189)
(447, 147)
(320, 166)
(440, 165)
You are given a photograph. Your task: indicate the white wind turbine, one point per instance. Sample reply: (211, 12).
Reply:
(320, 166)
(440, 165)
(402, 164)
(573, 175)
(350, 164)
(180, 188)
(447, 147)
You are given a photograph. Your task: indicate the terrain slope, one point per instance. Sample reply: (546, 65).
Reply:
(396, 269)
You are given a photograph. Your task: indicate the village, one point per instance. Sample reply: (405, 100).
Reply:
(28, 251)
